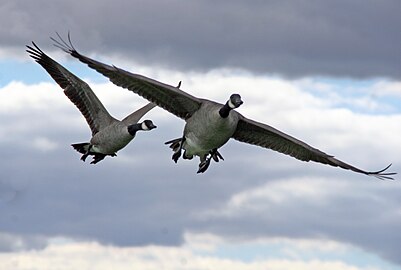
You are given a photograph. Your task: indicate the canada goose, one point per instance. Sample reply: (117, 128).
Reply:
(108, 134)
(209, 125)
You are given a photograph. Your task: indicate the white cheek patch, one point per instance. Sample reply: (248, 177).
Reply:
(144, 126)
(230, 104)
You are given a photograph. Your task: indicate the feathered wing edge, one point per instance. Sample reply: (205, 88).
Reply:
(163, 95)
(75, 89)
(259, 134)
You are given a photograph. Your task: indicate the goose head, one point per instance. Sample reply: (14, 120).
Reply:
(147, 125)
(234, 101)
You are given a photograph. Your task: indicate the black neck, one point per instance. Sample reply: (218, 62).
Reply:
(225, 111)
(132, 129)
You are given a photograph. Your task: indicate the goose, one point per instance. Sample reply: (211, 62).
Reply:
(209, 125)
(109, 135)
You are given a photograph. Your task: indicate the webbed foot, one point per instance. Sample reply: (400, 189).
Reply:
(216, 155)
(204, 165)
(176, 145)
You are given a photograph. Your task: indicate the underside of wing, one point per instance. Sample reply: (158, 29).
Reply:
(75, 89)
(165, 96)
(259, 134)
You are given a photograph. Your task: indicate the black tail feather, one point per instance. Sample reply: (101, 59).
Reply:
(175, 144)
(81, 147)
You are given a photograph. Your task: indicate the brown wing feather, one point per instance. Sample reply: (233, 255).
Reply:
(75, 89)
(256, 133)
(165, 96)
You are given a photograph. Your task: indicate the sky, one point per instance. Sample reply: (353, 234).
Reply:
(328, 73)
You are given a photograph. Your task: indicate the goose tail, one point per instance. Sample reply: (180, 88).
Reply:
(81, 147)
(175, 144)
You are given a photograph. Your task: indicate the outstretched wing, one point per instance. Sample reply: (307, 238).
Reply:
(256, 133)
(75, 89)
(165, 96)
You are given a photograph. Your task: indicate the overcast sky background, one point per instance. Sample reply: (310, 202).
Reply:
(326, 73)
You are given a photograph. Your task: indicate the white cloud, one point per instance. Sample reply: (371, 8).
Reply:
(386, 88)
(44, 144)
(265, 198)
(15, 243)
(67, 254)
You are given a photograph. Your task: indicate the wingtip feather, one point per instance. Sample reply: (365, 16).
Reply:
(382, 175)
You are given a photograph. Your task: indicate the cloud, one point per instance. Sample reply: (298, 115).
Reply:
(69, 254)
(329, 211)
(14, 243)
(292, 39)
(141, 198)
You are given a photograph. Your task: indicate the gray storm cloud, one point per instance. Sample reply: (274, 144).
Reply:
(288, 38)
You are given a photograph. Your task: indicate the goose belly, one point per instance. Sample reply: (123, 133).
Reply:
(111, 139)
(207, 132)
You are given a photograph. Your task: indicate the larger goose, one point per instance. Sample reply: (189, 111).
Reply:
(209, 125)
(108, 134)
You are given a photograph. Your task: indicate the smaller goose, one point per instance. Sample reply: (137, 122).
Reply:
(209, 125)
(108, 134)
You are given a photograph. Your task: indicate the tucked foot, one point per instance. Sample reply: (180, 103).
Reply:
(176, 145)
(216, 155)
(176, 156)
(204, 165)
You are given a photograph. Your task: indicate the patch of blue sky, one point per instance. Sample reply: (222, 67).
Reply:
(253, 252)
(30, 72)
(356, 95)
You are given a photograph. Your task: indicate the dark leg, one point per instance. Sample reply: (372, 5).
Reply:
(84, 156)
(216, 155)
(204, 165)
